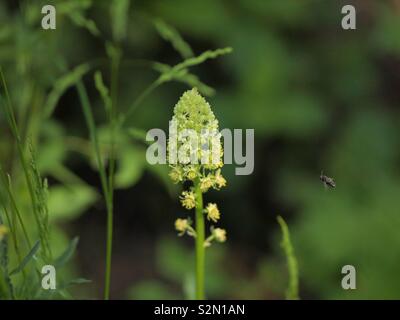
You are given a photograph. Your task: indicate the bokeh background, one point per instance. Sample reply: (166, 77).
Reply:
(318, 97)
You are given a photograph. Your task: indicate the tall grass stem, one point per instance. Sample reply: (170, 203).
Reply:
(200, 249)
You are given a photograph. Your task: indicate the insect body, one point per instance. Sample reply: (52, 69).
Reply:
(328, 182)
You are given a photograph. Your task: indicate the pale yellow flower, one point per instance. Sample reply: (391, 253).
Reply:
(176, 175)
(219, 180)
(206, 183)
(188, 200)
(219, 234)
(207, 243)
(191, 174)
(181, 225)
(213, 212)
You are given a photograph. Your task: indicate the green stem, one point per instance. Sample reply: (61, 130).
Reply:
(200, 249)
(108, 250)
(87, 110)
(115, 60)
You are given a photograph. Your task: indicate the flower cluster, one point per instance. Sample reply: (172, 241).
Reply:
(195, 155)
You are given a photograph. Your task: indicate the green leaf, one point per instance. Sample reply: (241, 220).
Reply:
(61, 85)
(170, 34)
(138, 134)
(51, 152)
(27, 259)
(68, 202)
(131, 163)
(67, 254)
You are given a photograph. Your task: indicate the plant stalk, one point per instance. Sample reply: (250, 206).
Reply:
(200, 249)
(115, 60)
(108, 250)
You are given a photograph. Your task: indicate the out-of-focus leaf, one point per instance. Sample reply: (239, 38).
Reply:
(119, 10)
(131, 163)
(68, 202)
(51, 153)
(26, 259)
(131, 159)
(138, 134)
(61, 85)
(170, 34)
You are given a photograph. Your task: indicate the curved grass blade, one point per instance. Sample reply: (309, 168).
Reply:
(27, 258)
(171, 35)
(61, 85)
(209, 54)
(67, 254)
(292, 293)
